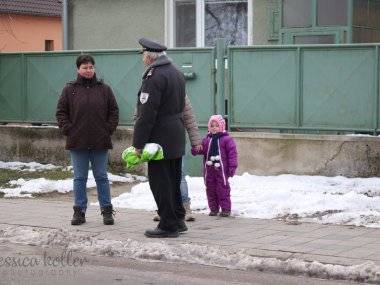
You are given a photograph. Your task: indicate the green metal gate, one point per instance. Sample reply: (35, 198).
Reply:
(31, 83)
(305, 88)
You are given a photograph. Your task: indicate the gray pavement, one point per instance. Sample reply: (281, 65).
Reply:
(333, 244)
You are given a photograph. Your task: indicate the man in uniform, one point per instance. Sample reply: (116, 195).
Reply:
(160, 104)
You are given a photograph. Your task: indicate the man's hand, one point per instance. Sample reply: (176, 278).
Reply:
(138, 152)
(198, 147)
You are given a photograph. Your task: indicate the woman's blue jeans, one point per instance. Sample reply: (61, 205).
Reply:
(80, 160)
(184, 188)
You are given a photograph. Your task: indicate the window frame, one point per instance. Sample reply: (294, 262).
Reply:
(343, 34)
(289, 37)
(170, 32)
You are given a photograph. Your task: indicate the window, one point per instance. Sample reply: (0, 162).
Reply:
(226, 19)
(367, 13)
(296, 13)
(360, 17)
(332, 12)
(365, 35)
(366, 21)
(374, 14)
(185, 24)
(201, 22)
(49, 45)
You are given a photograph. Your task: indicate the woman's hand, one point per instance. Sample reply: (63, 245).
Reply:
(198, 147)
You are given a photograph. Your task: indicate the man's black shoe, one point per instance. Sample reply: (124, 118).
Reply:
(158, 233)
(78, 217)
(182, 226)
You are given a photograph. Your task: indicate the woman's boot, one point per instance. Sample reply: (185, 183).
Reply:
(108, 213)
(78, 217)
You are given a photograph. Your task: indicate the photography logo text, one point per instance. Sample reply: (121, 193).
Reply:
(63, 264)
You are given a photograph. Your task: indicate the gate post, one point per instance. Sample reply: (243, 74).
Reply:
(377, 89)
(220, 100)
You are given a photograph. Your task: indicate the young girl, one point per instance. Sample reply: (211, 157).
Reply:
(220, 163)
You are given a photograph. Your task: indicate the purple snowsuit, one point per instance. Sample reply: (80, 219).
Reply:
(216, 178)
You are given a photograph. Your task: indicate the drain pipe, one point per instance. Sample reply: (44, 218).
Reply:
(65, 25)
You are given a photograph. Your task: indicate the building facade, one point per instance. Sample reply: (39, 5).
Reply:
(198, 23)
(27, 25)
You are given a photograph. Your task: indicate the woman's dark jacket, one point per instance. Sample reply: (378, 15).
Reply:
(87, 113)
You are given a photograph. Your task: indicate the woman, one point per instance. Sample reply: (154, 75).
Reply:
(87, 114)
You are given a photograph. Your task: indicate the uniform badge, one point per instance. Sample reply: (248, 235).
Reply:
(144, 97)
(148, 73)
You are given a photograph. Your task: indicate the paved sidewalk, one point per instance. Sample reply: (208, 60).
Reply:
(343, 245)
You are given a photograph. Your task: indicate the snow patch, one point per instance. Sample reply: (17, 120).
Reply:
(25, 188)
(27, 166)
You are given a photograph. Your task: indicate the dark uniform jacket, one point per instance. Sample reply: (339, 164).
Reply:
(87, 113)
(160, 105)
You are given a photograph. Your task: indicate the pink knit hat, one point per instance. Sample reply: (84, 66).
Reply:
(219, 119)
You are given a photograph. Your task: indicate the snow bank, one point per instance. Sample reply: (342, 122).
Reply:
(336, 200)
(191, 253)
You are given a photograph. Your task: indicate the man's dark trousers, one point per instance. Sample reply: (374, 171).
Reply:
(165, 180)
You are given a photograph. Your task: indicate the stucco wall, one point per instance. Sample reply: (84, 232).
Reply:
(28, 33)
(328, 155)
(116, 24)
(259, 153)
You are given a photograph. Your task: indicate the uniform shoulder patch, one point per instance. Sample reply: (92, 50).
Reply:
(150, 72)
(144, 97)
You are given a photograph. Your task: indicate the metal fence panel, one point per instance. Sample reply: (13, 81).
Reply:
(122, 70)
(31, 83)
(338, 88)
(263, 90)
(46, 75)
(198, 65)
(305, 88)
(11, 88)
